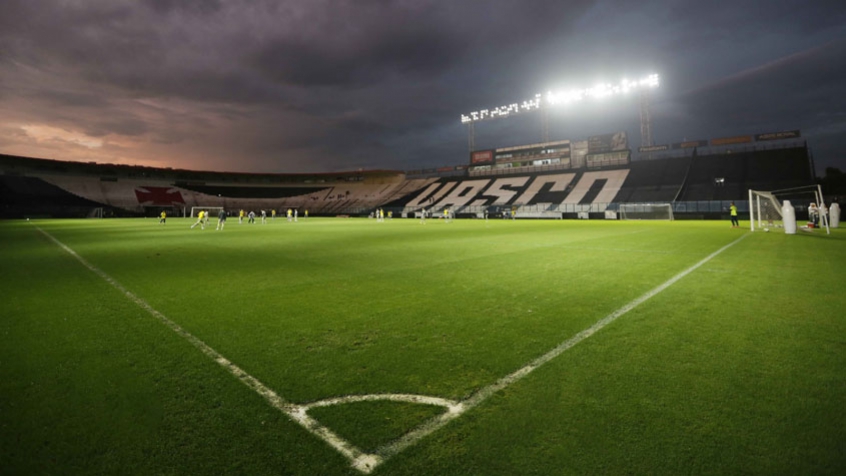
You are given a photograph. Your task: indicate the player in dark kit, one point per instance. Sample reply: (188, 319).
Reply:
(221, 219)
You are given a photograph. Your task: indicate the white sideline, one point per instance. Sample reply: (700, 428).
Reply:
(437, 422)
(359, 460)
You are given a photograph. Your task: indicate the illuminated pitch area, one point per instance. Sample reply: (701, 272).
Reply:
(698, 377)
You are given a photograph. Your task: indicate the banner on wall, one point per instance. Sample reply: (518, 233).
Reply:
(778, 135)
(731, 140)
(479, 157)
(689, 144)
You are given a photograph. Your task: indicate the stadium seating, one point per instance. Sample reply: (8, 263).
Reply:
(540, 191)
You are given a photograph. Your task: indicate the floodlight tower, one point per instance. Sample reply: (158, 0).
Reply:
(544, 125)
(645, 119)
(539, 102)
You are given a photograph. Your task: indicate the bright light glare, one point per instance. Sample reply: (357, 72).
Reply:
(599, 91)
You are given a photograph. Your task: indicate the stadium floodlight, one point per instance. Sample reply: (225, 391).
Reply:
(598, 91)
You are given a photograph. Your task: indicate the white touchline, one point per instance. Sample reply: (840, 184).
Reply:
(437, 422)
(360, 460)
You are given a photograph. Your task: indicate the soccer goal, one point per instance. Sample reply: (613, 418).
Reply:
(645, 211)
(212, 211)
(95, 213)
(765, 208)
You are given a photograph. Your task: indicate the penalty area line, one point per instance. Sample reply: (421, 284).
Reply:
(362, 461)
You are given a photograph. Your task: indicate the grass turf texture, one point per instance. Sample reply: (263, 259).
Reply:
(737, 368)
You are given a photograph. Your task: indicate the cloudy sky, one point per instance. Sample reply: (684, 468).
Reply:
(328, 85)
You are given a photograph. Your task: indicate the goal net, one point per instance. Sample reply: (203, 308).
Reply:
(212, 211)
(645, 211)
(765, 210)
(765, 207)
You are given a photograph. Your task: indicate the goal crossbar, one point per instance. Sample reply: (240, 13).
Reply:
(765, 207)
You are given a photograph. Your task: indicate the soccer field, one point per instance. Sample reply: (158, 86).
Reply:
(347, 346)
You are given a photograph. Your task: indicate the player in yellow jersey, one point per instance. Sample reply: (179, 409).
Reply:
(290, 214)
(200, 220)
(273, 214)
(241, 216)
(162, 218)
(733, 213)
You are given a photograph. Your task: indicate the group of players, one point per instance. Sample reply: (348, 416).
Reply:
(448, 215)
(251, 216)
(203, 217)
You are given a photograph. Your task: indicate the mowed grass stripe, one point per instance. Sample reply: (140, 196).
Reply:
(91, 385)
(434, 330)
(722, 374)
(252, 310)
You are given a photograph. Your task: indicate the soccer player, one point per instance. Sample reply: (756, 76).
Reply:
(306, 214)
(206, 217)
(241, 216)
(423, 216)
(162, 217)
(251, 218)
(273, 214)
(295, 214)
(221, 219)
(263, 217)
(733, 213)
(446, 215)
(200, 221)
(289, 214)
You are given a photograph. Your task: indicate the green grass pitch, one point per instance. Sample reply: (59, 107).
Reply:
(739, 367)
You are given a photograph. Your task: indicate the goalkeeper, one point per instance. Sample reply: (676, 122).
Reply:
(733, 213)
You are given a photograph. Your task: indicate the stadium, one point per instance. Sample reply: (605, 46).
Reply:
(560, 179)
(247, 238)
(358, 344)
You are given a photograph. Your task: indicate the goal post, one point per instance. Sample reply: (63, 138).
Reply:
(212, 211)
(764, 210)
(645, 211)
(765, 207)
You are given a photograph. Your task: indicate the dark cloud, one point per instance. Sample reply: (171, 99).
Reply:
(62, 99)
(201, 7)
(334, 84)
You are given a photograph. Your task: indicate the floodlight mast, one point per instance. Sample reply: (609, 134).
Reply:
(563, 98)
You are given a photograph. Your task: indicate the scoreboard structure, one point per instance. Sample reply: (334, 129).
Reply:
(597, 151)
